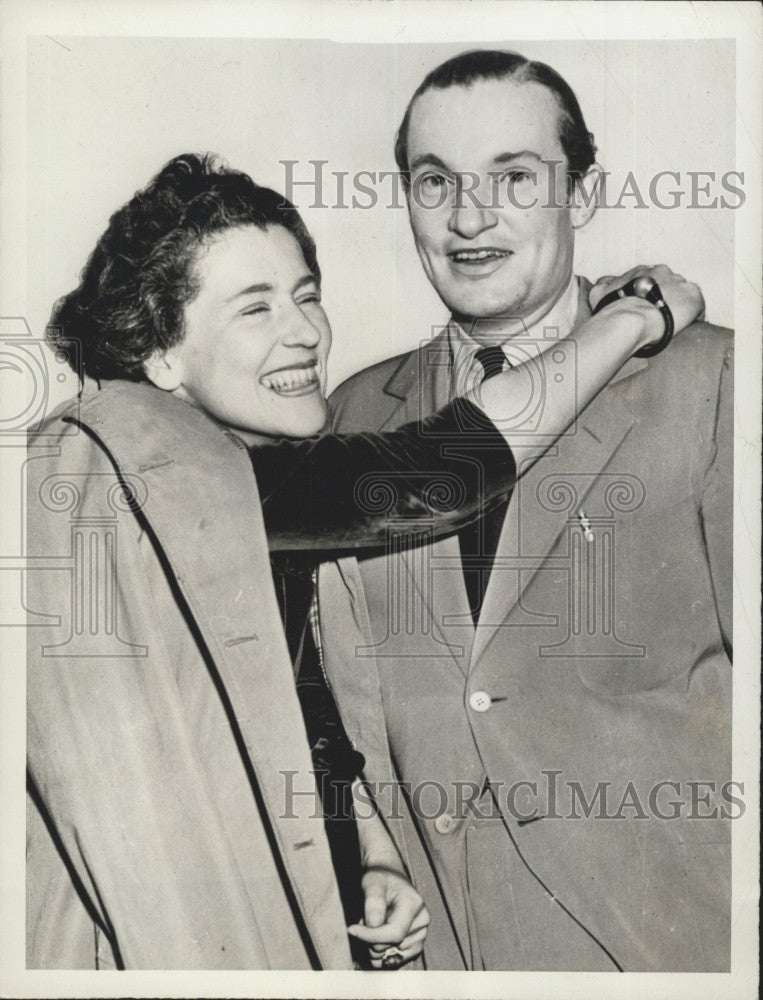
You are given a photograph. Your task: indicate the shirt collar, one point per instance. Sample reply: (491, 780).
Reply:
(554, 325)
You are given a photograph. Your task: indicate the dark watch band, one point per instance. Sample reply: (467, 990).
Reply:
(647, 288)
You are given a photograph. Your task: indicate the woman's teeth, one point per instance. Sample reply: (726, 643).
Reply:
(290, 379)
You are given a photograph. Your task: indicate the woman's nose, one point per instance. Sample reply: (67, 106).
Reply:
(300, 332)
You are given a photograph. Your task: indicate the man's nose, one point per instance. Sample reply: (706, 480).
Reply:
(469, 215)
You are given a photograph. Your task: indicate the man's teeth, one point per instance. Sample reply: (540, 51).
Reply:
(469, 255)
(290, 378)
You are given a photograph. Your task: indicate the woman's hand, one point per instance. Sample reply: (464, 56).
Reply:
(394, 916)
(684, 298)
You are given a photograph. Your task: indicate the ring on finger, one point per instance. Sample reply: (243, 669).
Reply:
(392, 958)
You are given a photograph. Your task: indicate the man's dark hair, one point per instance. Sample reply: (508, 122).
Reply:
(136, 282)
(486, 64)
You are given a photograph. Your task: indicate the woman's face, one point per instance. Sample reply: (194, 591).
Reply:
(256, 337)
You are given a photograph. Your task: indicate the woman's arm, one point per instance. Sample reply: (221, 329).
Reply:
(342, 493)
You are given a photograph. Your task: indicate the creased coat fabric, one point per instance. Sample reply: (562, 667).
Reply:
(632, 688)
(163, 721)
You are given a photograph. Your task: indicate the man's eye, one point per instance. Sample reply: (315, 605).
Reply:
(517, 176)
(260, 307)
(432, 182)
(310, 297)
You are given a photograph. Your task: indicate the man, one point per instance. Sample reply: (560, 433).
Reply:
(555, 696)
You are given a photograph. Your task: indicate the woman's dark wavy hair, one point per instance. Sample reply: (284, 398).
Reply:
(495, 64)
(136, 282)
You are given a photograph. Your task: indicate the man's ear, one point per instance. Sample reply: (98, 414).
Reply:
(164, 369)
(584, 197)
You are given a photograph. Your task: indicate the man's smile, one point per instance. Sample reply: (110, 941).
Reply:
(478, 261)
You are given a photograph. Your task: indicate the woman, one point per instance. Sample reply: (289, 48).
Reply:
(173, 819)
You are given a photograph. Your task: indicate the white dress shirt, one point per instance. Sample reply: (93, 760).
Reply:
(467, 372)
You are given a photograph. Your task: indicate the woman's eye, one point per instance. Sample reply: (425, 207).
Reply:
(310, 297)
(253, 310)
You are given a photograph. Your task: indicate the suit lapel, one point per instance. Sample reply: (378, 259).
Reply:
(535, 519)
(421, 383)
(537, 515)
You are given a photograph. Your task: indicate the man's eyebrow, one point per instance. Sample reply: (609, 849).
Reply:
(522, 154)
(430, 159)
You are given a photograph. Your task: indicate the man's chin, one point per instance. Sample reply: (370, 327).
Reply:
(483, 306)
(471, 312)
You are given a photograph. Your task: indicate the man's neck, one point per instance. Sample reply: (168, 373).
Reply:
(549, 323)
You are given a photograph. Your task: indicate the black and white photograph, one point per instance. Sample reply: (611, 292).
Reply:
(380, 461)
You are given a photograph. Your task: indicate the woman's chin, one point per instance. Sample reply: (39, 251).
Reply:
(305, 420)
(312, 418)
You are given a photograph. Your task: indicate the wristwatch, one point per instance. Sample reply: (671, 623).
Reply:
(647, 288)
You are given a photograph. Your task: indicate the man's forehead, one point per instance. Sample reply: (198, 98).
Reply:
(484, 120)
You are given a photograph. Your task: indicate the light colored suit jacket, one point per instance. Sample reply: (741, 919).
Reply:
(603, 649)
(163, 719)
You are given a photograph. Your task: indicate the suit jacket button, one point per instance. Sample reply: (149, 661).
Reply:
(480, 701)
(445, 823)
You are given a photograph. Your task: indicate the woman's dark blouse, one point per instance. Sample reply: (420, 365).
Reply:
(338, 494)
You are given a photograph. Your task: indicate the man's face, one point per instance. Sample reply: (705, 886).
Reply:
(491, 260)
(256, 337)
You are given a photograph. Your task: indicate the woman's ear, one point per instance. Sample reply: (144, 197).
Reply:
(584, 201)
(164, 369)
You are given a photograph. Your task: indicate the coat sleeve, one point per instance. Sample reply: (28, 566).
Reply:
(340, 492)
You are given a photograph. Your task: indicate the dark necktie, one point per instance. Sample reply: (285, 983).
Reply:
(479, 540)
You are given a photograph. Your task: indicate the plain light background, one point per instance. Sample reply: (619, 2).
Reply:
(106, 113)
